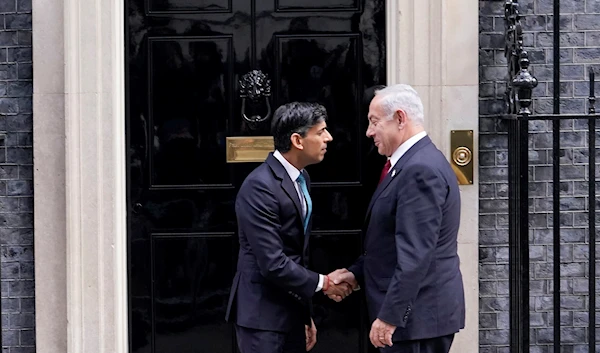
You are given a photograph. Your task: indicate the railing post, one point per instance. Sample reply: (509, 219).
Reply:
(518, 99)
(592, 217)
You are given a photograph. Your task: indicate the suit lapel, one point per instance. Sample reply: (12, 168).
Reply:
(290, 190)
(288, 186)
(395, 171)
(286, 183)
(382, 186)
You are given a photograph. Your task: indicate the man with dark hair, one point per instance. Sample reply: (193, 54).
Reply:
(272, 288)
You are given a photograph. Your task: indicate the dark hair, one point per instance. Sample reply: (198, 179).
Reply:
(295, 117)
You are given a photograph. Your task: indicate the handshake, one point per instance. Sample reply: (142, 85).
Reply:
(339, 284)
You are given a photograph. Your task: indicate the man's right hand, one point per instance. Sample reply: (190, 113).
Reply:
(343, 275)
(344, 279)
(337, 291)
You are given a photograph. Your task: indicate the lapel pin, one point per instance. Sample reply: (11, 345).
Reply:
(393, 173)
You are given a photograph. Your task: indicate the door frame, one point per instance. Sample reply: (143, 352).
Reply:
(80, 155)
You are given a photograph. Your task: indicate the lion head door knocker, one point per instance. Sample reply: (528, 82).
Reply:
(256, 87)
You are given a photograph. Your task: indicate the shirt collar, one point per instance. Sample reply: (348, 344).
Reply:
(289, 168)
(403, 148)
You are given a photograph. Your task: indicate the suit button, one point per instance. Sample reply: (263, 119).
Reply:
(365, 253)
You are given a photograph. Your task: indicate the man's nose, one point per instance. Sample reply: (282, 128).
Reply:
(329, 137)
(369, 132)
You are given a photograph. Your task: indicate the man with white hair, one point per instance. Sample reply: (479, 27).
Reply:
(410, 267)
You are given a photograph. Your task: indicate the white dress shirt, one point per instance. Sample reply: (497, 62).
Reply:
(403, 148)
(294, 173)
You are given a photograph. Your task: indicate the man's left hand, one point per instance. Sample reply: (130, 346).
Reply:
(381, 333)
(311, 335)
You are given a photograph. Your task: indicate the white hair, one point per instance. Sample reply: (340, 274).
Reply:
(401, 97)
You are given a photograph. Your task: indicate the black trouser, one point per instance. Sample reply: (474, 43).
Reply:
(429, 345)
(259, 341)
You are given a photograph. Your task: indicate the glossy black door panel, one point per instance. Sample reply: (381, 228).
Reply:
(184, 60)
(188, 6)
(339, 324)
(324, 68)
(192, 277)
(189, 210)
(190, 103)
(338, 207)
(317, 5)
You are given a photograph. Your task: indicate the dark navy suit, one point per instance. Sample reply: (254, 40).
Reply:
(272, 288)
(410, 268)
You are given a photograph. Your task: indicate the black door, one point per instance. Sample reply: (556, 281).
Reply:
(184, 60)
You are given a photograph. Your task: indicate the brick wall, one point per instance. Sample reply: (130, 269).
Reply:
(580, 42)
(16, 184)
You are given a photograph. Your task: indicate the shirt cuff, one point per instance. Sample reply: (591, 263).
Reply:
(320, 284)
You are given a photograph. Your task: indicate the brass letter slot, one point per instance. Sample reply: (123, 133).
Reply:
(461, 145)
(244, 149)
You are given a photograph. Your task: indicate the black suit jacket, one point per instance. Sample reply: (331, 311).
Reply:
(410, 268)
(272, 287)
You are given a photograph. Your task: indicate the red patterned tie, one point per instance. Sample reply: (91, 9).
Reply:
(385, 170)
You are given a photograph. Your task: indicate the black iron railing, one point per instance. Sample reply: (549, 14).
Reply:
(520, 85)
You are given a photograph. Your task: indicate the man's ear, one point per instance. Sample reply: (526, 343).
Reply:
(401, 116)
(296, 140)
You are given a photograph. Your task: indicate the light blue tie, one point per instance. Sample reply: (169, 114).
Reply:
(302, 182)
